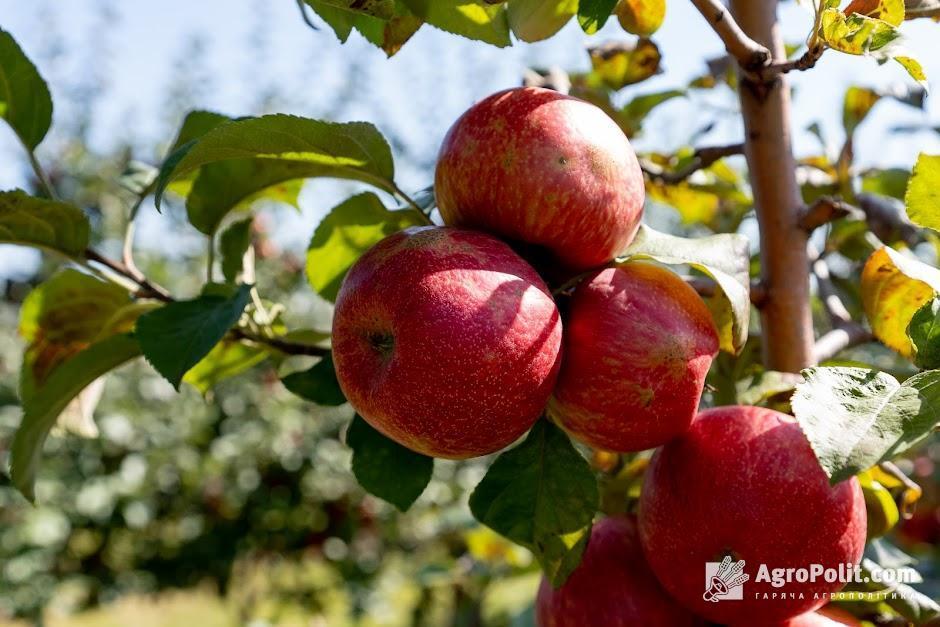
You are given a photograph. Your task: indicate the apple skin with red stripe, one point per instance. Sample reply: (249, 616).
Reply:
(545, 170)
(638, 344)
(612, 586)
(744, 482)
(446, 341)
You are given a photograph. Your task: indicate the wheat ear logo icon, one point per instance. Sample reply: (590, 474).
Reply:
(729, 576)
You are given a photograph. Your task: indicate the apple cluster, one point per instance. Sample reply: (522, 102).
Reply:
(448, 341)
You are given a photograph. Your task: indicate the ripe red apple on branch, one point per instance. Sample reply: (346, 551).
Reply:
(638, 343)
(744, 482)
(446, 341)
(613, 586)
(540, 168)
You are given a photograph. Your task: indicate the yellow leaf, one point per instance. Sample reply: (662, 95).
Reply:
(858, 102)
(488, 547)
(618, 64)
(894, 287)
(694, 206)
(890, 11)
(535, 20)
(641, 17)
(923, 192)
(883, 512)
(856, 34)
(914, 68)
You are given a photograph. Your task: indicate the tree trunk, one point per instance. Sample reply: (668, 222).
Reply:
(786, 320)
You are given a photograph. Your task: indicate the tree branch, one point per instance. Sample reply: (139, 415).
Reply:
(825, 210)
(706, 288)
(846, 335)
(749, 54)
(288, 348)
(807, 61)
(786, 317)
(845, 332)
(702, 158)
(147, 289)
(887, 218)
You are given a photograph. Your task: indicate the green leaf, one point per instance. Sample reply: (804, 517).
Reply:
(179, 335)
(541, 494)
(389, 35)
(233, 244)
(54, 395)
(351, 150)
(383, 9)
(474, 20)
(47, 224)
(889, 182)
(317, 384)
(25, 102)
(593, 14)
(765, 385)
(385, 468)
(227, 359)
(725, 258)
(350, 229)
(632, 115)
(535, 20)
(220, 188)
(923, 192)
(196, 124)
(855, 418)
(924, 331)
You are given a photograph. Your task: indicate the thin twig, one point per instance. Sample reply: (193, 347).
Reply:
(288, 348)
(824, 210)
(210, 263)
(845, 332)
(887, 218)
(127, 252)
(706, 288)
(701, 158)
(147, 288)
(303, 14)
(807, 61)
(749, 54)
(408, 199)
(838, 312)
(41, 176)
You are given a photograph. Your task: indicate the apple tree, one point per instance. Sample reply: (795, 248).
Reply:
(503, 337)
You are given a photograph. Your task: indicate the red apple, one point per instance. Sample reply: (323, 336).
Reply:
(446, 341)
(744, 482)
(613, 586)
(638, 343)
(825, 617)
(538, 167)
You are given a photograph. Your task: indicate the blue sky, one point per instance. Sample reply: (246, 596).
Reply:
(140, 46)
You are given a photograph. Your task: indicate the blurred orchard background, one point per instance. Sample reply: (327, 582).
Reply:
(240, 508)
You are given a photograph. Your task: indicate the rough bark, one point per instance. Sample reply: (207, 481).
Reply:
(786, 319)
